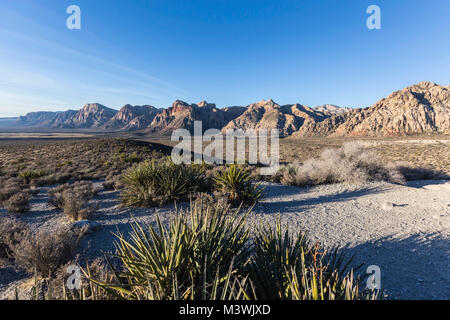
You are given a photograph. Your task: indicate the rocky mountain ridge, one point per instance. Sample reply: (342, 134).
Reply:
(420, 108)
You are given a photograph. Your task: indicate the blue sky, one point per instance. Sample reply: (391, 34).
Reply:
(226, 52)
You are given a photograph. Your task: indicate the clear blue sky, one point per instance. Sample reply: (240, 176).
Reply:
(230, 52)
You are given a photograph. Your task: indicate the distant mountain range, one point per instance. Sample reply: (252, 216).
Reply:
(421, 108)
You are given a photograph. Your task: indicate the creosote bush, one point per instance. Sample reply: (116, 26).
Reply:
(96, 269)
(12, 232)
(158, 182)
(9, 187)
(352, 163)
(235, 184)
(44, 252)
(18, 203)
(74, 199)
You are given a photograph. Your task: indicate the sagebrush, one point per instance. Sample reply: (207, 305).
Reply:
(352, 163)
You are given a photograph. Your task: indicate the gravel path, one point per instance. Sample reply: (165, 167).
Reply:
(404, 230)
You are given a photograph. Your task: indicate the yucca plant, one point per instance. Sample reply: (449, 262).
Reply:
(153, 183)
(275, 252)
(205, 253)
(235, 184)
(288, 267)
(199, 255)
(29, 175)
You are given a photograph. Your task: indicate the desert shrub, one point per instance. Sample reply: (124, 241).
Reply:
(9, 187)
(352, 163)
(193, 257)
(29, 175)
(12, 231)
(113, 182)
(18, 203)
(77, 206)
(8, 192)
(55, 197)
(56, 178)
(153, 183)
(44, 252)
(96, 269)
(65, 163)
(235, 184)
(74, 199)
(132, 158)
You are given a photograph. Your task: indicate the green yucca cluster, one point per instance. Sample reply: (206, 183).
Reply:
(288, 266)
(29, 175)
(235, 184)
(199, 255)
(157, 182)
(208, 253)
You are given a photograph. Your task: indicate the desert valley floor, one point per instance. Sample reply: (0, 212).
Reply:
(402, 228)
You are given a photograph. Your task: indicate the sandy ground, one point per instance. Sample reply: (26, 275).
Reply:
(404, 230)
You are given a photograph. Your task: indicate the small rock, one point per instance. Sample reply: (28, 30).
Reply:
(387, 205)
(90, 226)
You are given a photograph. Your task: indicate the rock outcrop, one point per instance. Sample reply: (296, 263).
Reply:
(421, 108)
(182, 115)
(46, 118)
(331, 109)
(132, 118)
(270, 115)
(92, 115)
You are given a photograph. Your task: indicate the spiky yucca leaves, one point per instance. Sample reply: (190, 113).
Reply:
(29, 175)
(275, 252)
(159, 182)
(236, 185)
(199, 255)
(289, 267)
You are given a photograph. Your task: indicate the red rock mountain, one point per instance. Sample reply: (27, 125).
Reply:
(183, 115)
(132, 118)
(92, 115)
(46, 118)
(270, 115)
(421, 108)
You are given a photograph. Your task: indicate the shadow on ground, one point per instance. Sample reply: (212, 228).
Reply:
(273, 205)
(415, 267)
